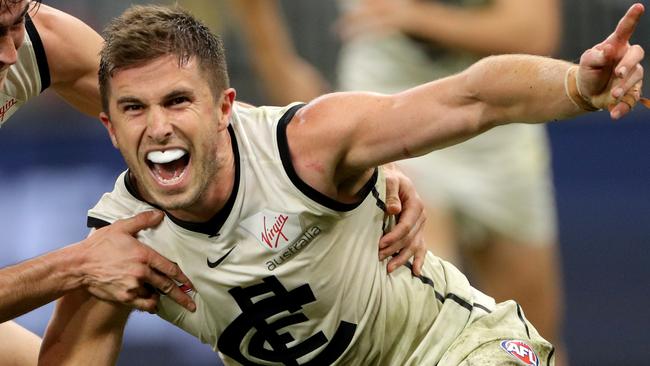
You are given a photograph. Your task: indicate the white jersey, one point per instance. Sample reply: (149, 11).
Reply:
(26, 78)
(286, 276)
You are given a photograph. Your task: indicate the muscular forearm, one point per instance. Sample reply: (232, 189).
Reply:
(35, 282)
(83, 331)
(504, 26)
(520, 88)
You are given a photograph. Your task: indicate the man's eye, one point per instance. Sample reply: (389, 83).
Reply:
(132, 107)
(177, 101)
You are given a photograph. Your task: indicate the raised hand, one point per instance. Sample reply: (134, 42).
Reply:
(610, 74)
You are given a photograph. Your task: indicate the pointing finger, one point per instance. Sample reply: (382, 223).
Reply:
(627, 25)
(141, 221)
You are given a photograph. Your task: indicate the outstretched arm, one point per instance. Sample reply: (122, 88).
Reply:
(83, 331)
(347, 133)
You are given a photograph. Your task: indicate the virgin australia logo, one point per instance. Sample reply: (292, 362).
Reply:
(273, 230)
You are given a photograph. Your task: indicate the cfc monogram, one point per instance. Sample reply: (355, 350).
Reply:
(267, 340)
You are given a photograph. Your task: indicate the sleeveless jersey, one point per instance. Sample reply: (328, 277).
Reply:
(28, 77)
(286, 275)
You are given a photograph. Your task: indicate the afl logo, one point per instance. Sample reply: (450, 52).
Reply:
(521, 351)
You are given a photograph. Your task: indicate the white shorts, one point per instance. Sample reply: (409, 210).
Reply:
(499, 182)
(504, 337)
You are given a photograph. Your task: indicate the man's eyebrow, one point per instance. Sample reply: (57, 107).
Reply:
(127, 99)
(178, 93)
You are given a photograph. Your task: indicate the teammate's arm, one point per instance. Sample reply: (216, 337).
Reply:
(110, 264)
(351, 132)
(72, 50)
(499, 26)
(84, 331)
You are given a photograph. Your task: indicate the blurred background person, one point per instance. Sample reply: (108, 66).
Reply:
(490, 200)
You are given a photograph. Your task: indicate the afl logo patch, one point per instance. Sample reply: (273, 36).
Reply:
(521, 351)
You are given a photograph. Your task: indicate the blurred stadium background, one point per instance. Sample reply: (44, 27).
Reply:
(55, 163)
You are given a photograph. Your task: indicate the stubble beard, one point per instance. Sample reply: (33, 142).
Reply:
(197, 193)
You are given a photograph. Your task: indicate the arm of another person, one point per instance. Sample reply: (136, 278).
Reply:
(84, 331)
(286, 77)
(500, 26)
(110, 264)
(72, 50)
(348, 133)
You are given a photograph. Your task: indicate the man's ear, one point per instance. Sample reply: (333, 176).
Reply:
(106, 121)
(226, 103)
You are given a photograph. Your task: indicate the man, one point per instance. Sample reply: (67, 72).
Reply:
(273, 212)
(484, 210)
(40, 48)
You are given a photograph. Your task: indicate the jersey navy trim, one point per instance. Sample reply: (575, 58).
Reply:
(521, 317)
(451, 296)
(212, 226)
(39, 52)
(309, 191)
(550, 356)
(95, 223)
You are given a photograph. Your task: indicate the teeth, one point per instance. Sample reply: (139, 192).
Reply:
(163, 157)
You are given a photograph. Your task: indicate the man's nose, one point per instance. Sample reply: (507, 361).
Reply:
(8, 51)
(159, 129)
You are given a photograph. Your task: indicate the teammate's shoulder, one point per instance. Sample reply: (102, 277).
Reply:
(51, 20)
(63, 35)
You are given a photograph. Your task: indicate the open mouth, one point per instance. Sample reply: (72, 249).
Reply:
(168, 166)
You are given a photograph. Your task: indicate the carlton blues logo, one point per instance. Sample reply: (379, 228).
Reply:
(269, 340)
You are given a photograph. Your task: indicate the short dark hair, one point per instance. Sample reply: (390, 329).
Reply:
(145, 32)
(5, 4)
(14, 2)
